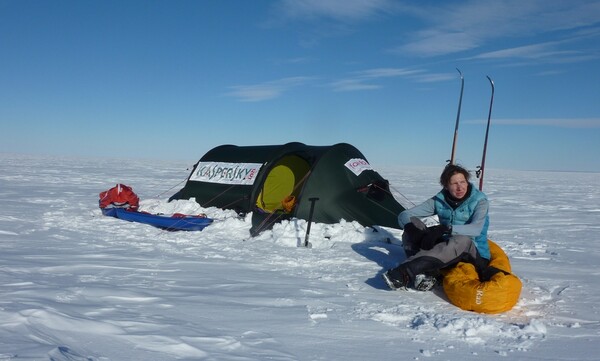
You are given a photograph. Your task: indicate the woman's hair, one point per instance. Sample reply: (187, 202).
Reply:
(450, 170)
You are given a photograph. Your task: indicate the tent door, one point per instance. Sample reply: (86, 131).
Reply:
(283, 180)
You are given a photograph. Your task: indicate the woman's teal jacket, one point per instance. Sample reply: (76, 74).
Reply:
(470, 218)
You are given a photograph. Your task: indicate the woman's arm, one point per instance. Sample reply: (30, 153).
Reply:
(424, 209)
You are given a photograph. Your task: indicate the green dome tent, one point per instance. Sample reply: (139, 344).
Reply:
(277, 182)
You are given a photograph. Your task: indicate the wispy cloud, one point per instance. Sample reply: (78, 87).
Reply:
(434, 77)
(297, 60)
(341, 10)
(458, 27)
(528, 51)
(369, 79)
(267, 90)
(386, 73)
(433, 43)
(326, 19)
(550, 72)
(546, 122)
(548, 52)
(346, 85)
(366, 79)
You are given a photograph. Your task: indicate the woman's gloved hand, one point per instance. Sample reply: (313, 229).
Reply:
(434, 235)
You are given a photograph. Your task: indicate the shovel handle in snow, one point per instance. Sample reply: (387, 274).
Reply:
(310, 216)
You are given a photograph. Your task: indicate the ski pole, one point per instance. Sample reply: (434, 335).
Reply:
(310, 216)
(481, 170)
(462, 88)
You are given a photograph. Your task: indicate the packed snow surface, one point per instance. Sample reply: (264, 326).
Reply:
(76, 285)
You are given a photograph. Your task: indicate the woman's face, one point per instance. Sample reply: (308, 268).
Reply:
(458, 186)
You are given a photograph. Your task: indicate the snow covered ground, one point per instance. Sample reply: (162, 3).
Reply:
(75, 285)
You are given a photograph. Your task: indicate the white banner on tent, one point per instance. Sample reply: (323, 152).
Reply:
(358, 165)
(226, 173)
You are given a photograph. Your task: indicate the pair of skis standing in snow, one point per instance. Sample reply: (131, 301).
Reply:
(462, 233)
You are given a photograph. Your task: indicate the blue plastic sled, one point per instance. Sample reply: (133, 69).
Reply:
(188, 223)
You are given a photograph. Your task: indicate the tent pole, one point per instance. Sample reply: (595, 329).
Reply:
(310, 216)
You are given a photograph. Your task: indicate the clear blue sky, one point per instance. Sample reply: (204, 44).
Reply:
(173, 79)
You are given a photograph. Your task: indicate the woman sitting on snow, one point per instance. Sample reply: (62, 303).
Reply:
(461, 235)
